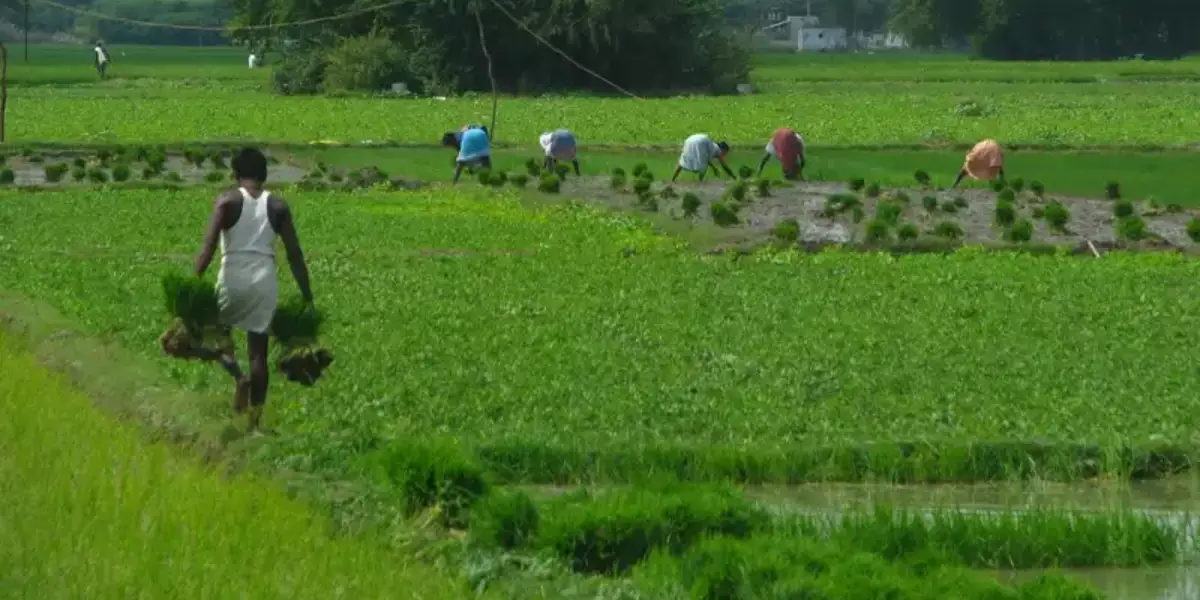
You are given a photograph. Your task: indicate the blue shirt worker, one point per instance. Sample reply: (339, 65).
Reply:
(473, 147)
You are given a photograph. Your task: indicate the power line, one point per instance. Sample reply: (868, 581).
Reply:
(104, 17)
(547, 44)
(345, 15)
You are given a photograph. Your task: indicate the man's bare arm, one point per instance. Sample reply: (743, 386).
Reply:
(211, 235)
(295, 255)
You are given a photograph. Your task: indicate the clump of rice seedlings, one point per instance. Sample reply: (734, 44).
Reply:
(7, 176)
(55, 172)
(786, 231)
(3, 159)
(949, 207)
(519, 180)
(1004, 213)
(498, 179)
(562, 170)
(618, 180)
(668, 193)
(641, 186)
(533, 167)
(192, 307)
(690, 204)
(296, 326)
(738, 191)
(1173, 208)
(1007, 196)
(1016, 184)
(724, 214)
(1057, 216)
(762, 187)
(173, 177)
(930, 203)
(888, 212)
(1021, 231)
(857, 184)
(639, 169)
(78, 173)
(948, 229)
(1122, 209)
(79, 162)
(1113, 190)
(97, 175)
(745, 172)
(1037, 188)
(878, 231)
(618, 171)
(506, 519)
(999, 185)
(648, 202)
(149, 173)
(315, 175)
(429, 473)
(921, 177)
(549, 184)
(907, 231)
(960, 202)
(1038, 212)
(1132, 228)
(104, 155)
(121, 172)
(210, 177)
(873, 190)
(336, 177)
(1193, 229)
(217, 159)
(141, 153)
(839, 203)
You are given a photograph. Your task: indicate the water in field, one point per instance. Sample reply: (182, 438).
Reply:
(1171, 500)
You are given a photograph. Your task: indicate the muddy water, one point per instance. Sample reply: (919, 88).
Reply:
(1169, 500)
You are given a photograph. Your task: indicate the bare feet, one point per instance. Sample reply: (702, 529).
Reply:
(241, 398)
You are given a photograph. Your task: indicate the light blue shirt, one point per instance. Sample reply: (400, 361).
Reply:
(474, 145)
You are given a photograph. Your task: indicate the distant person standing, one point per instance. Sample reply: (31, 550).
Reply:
(699, 151)
(102, 59)
(253, 61)
(787, 146)
(559, 145)
(984, 162)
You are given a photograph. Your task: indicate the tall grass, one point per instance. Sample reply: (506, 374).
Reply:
(89, 511)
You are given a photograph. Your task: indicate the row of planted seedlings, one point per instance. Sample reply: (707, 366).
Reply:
(121, 164)
(723, 212)
(678, 540)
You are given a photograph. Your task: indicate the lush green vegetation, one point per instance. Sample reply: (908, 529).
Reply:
(91, 511)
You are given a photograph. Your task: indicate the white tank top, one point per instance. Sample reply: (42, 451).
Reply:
(252, 236)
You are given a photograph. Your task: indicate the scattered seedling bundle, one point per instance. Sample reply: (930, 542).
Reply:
(296, 327)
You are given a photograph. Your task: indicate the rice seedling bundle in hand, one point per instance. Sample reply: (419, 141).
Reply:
(191, 303)
(301, 358)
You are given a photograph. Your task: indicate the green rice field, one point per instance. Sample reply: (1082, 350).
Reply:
(536, 396)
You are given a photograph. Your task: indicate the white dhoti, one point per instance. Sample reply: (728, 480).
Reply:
(247, 292)
(698, 152)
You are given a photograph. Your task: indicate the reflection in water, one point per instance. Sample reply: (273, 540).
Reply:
(1150, 583)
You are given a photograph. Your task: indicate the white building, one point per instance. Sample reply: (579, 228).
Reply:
(821, 39)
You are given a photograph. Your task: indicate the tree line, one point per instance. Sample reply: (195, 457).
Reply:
(1053, 29)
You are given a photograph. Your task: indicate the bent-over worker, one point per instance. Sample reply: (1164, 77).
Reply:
(984, 162)
(246, 222)
(559, 145)
(473, 148)
(699, 151)
(788, 147)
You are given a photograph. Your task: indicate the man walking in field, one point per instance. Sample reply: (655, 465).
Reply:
(246, 221)
(102, 59)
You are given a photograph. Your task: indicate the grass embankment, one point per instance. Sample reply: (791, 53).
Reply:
(514, 324)
(1141, 175)
(91, 511)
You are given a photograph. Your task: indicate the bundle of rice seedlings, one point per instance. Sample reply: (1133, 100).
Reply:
(295, 327)
(191, 303)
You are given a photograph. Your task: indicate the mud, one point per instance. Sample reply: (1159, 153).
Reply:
(29, 173)
(1091, 219)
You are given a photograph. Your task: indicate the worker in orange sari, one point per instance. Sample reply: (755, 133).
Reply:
(985, 162)
(787, 146)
